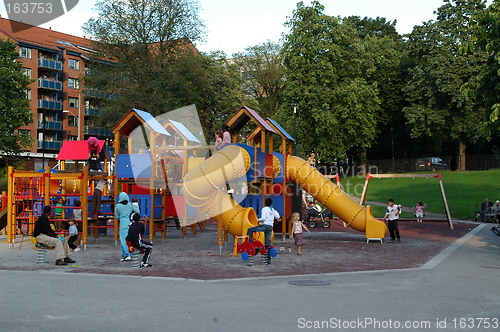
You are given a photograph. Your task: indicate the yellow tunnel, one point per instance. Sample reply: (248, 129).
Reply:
(204, 189)
(330, 195)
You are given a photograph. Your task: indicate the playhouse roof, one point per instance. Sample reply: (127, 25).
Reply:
(134, 119)
(246, 114)
(280, 129)
(181, 130)
(78, 150)
(282, 132)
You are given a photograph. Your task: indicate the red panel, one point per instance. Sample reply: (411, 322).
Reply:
(175, 206)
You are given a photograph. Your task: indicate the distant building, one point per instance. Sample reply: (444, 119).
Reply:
(57, 61)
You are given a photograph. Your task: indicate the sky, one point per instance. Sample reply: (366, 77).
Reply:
(233, 25)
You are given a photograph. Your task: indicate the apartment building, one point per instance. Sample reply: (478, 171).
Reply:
(62, 108)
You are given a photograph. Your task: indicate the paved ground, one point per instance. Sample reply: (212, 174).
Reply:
(326, 250)
(367, 286)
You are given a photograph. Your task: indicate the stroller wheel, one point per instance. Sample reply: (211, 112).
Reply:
(326, 224)
(312, 223)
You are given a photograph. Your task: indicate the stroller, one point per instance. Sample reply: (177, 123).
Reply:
(322, 216)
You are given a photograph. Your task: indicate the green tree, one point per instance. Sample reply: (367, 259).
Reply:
(14, 105)
(438, 107)
(144, 57)
(327, 75)
(385, 49)
(485, 37)
(263, 75)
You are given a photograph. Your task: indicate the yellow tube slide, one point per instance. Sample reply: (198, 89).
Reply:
(204, 189)
(330, 195)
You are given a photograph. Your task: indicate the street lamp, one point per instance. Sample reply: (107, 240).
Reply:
(295, 127)
(392, 146)
(77, 119)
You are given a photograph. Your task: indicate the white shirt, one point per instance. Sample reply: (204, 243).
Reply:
(391, 212)
(268, 214)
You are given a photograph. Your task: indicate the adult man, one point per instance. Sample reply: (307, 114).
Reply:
(45, 235)
(392, 217)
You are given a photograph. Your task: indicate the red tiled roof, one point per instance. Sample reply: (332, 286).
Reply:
(40, 36)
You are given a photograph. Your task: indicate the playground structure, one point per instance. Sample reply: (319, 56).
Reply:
(168, 172)
(437, 175)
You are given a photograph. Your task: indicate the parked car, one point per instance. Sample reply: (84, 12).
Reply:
(430, 164)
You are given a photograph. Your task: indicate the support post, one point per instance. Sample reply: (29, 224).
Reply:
(445, 201)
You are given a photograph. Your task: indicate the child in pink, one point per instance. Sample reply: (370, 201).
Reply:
(297, 226)
(419, 211)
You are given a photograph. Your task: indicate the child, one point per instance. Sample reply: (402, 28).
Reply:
(73, 234)
(136, 204)
(419, 211)
(135, 235)
(218, 140)
(58, 213)
(77, 211)
(297, 226)
(94, 162)
(392, 217)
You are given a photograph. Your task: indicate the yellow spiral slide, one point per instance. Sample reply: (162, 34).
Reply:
(204, 189)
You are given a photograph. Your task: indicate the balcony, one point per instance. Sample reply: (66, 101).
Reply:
(50, 125)
(49, 84)
(49, 64)
(49, 145)
(92, 111)
(96, 131)
(50, 105)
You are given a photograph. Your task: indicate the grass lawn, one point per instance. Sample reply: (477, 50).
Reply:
(464, 191)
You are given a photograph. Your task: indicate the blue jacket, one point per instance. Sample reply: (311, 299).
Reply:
(124, 209)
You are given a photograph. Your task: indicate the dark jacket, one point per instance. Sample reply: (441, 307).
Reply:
(135, 233)
(42, 226)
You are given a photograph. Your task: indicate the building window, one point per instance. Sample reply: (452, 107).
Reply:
(24, 52)
(27, 72)
(28, 94)
(74, 102)
(73, 83)
(72, 121)
(24, 132)
(73, 64)
(72, 138)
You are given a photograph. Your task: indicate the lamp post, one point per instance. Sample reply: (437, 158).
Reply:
(44, 124)
(392, 148)
(77, 119)
(295, 127)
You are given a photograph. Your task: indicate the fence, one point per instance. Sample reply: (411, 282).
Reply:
(407, 165)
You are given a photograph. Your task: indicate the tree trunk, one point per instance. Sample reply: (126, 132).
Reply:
(461, 165)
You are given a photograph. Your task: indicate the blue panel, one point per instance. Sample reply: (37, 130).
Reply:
(253, 201)
(133, 166)
(277, 203)
(158, 205)
(191, 211)
(281, 176)
(261, 164)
